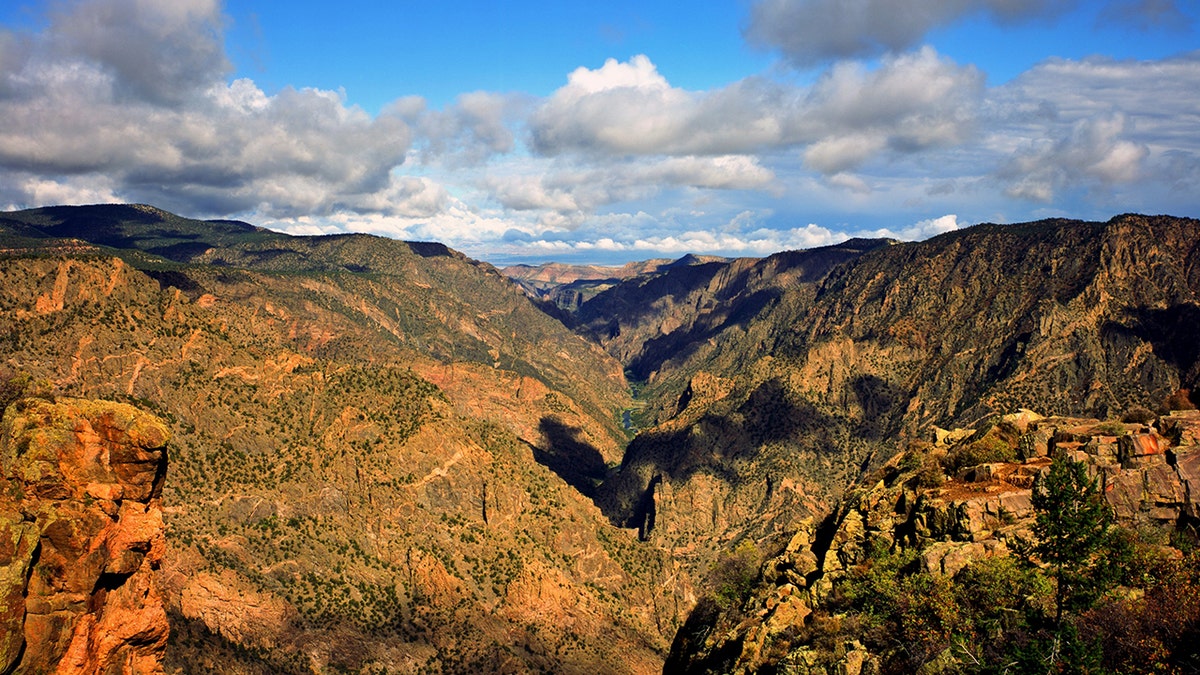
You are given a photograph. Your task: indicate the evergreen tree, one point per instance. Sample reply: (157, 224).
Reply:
(1073, 530)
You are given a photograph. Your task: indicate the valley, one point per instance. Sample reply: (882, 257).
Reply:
(388, 457)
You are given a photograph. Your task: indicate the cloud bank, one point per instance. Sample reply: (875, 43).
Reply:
(131, 100)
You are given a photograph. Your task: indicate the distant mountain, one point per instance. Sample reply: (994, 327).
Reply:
(568, 286)
(652, 318)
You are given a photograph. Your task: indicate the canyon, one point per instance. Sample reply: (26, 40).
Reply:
(386, 457)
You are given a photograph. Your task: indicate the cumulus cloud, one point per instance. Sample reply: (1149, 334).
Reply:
(157, 51)
(922, 229)
(808, 32)
(1095, 149)
(130, 94)
(477, 127)
(1095, 123)
(579, 189)
(851, 115)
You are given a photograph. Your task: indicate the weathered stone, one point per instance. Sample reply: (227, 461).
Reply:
(1183, 426)
(1187, 465)
(1164, 513)
(789, 611)
(88, 475)
(1022, 419)
(1124, 494)
(1144, 461)
(231, 608)
(980, 473)
(950, 437)
(18, 540)
(852, 663)
(1035, 443)
(1163, 486)
(1015, 505)
(1132, 446)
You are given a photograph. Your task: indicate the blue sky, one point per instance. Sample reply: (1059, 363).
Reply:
(605, 132)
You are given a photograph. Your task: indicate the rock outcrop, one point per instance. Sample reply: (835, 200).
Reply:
(1148, 473)
(80, 532)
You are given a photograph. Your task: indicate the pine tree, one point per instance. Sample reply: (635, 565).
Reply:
(1073, 530)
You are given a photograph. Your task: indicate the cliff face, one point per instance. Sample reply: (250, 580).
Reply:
(668, 316)
(81, 533)
(1085, 319)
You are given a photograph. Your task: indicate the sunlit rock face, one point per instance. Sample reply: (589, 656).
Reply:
(81, 531)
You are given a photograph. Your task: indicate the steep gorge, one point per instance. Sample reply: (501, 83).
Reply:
(385, 457)
(772, 418)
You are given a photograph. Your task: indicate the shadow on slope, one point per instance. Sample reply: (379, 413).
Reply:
(574, 460)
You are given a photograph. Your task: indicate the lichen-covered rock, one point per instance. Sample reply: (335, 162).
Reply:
(80, 531)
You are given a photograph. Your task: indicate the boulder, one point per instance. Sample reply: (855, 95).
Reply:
(1183, 426)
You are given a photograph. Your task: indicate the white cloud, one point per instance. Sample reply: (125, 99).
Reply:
(129, 94)
(477, 127)
(157, 51)
(581, 188)
(853, 114)
(850, 182)
(836, 154)
(16, 187)
(923, 229)
(1095, 150)
(1096, 124)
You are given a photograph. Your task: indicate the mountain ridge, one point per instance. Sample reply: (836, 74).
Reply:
(366, 465)
(404, 462)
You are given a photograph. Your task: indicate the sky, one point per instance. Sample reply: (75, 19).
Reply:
(605, 132)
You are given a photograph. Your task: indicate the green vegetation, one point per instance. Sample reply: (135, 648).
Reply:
(992, 443)
(1072, 533)
(733, 575)
(1087, 597)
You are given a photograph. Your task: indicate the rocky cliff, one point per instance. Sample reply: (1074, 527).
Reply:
(668, 316)
(81, 535)
(950, 526)
(772, 418)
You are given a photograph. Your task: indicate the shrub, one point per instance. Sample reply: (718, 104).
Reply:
(1180, 400)
(733, 574)
(1138, 415)
(930, 474)
(985, 450)
(1158, 631)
